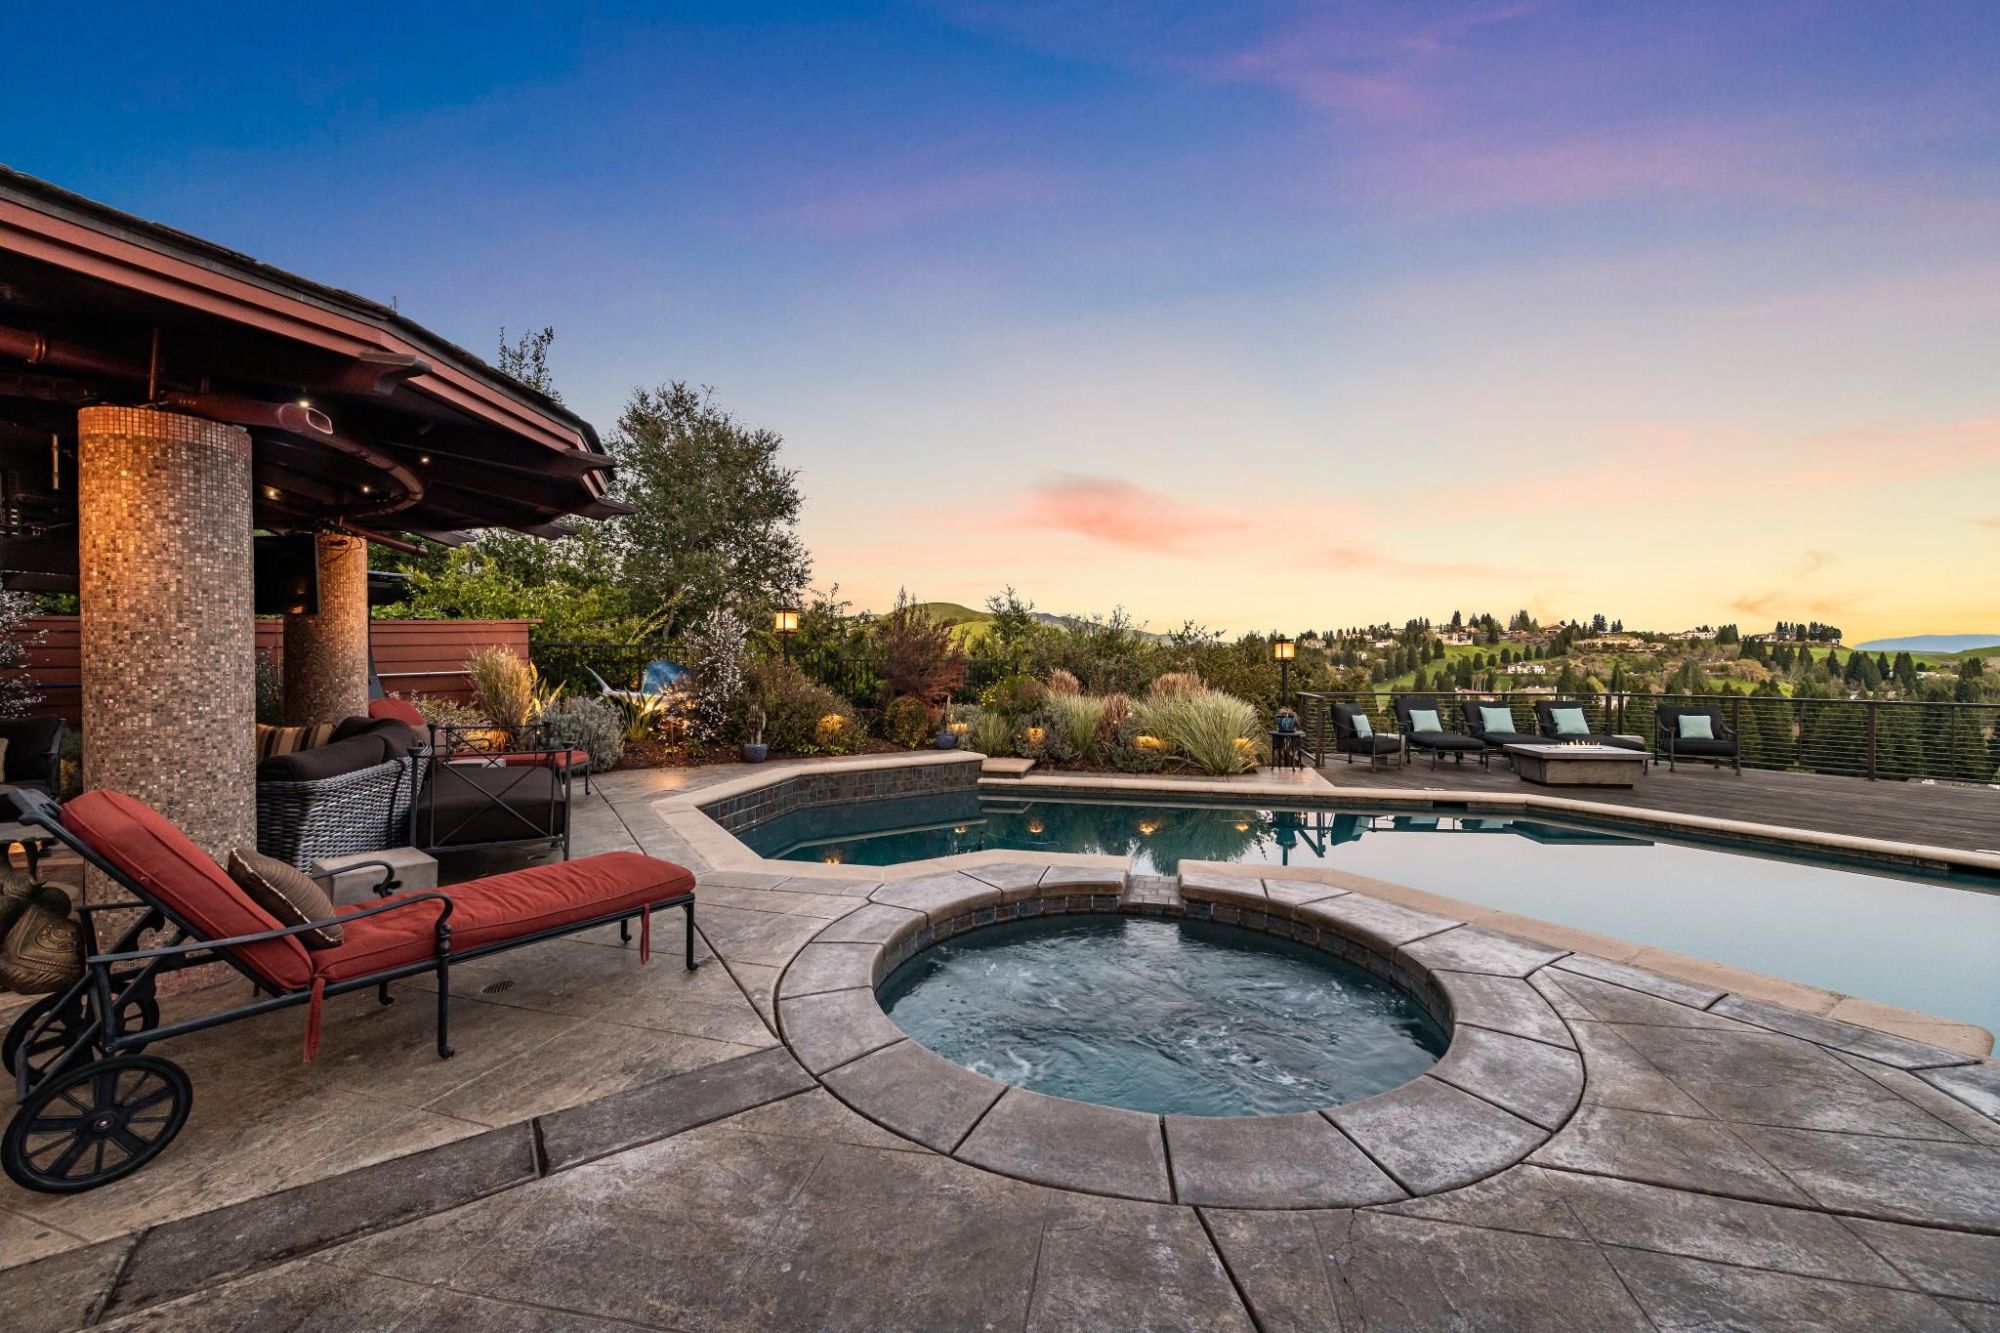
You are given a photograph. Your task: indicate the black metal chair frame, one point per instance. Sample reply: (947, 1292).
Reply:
(433, 763)
(1347, 740)
(1404, 707)
(1666, 729)
(92, 1012)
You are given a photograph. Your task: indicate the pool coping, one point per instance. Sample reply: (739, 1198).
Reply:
(685, 815)
(1511, 1076)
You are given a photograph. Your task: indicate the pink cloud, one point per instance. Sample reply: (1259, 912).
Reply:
(1755, 605)
(1122, 513)
(1986, 521)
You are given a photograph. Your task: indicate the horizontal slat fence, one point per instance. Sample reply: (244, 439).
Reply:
(411, 656)
(1898, 739)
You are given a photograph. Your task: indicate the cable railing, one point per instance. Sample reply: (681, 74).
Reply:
(1891, 739)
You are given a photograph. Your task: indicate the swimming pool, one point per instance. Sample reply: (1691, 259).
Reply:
(1169, 1017)
(1925, 944)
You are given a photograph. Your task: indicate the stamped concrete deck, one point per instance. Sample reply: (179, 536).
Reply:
(617, 1148)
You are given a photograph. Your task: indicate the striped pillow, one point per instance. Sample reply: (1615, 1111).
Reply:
(273, 741)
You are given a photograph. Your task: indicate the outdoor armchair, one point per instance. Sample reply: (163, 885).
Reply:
(352, 794)
(34, 751)
(92, 1109)
(478, 793)
(1431, 735)
(1671, 737)
(1348, 740)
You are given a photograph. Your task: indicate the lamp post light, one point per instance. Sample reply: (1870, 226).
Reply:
(1282, 650)
(785, 623)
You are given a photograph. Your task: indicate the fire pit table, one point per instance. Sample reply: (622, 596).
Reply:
(1558, 765)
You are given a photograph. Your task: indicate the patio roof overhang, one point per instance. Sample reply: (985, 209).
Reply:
(361, 420)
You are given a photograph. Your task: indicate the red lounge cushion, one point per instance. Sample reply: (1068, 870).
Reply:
(567, 759)
(400, 710)
(185, 880)
(504, 907)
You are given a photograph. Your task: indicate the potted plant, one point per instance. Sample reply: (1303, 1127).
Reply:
(1288, 721)
(947, 736)
(754, 749)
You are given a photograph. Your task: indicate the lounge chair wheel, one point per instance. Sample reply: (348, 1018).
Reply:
(137, 1015)
(96, 1123)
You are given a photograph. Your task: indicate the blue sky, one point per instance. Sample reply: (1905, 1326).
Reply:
(1186, 307)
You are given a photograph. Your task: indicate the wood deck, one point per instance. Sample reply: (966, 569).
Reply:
(1963, 817)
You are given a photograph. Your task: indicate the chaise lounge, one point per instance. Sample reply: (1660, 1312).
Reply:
(1421, 722)
(92, 1109)
(1494, 725)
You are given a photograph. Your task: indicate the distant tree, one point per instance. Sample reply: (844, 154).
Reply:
(1728, 634)
(527, 360)
(714, 510)
(1905, 672)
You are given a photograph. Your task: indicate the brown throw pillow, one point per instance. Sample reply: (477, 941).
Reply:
(286, 893)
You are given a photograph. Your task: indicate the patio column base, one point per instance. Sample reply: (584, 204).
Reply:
(167, 636)
(326, 653)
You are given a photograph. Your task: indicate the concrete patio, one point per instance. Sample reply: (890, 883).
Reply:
(752, 1145)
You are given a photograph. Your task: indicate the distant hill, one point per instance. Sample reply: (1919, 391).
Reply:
(1932, 643)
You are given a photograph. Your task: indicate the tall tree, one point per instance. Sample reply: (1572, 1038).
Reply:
(714, 510)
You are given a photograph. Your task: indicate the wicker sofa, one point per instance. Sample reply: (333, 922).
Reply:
(351, 794)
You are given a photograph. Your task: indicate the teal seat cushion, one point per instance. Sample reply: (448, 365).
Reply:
(1697, 727)
(1363, 728)
(1496, 719)
(1569, 722)
(1425, 719)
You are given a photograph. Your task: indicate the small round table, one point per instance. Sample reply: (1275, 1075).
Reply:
(1288, 749)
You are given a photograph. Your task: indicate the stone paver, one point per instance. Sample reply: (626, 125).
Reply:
(1602, 1148)
(1271, 1161)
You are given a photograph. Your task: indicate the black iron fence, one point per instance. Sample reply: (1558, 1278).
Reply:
(623, 665)
(1869, 738)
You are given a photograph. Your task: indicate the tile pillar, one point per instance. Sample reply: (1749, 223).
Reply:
(169, 679)
(326, 653)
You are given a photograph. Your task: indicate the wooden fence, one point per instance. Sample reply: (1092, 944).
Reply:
(411, 656)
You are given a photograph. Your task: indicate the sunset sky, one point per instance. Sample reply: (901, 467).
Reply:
(1255, 314)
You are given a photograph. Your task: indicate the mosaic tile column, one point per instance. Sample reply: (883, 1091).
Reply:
(326, 654)
(169, 682)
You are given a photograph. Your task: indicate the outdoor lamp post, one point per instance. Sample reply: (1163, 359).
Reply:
(1282, 649)
(785, 623)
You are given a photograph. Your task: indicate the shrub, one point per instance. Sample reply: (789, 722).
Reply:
(1043, 737)
(1013, 696)
(797, 711)
(1176, 683)
(1079, 717)
(1064, 684)
(991, 733)
(505, 687)
(441, 712)
(907, 721)
(716, 652)
(920, 655)
(595, 725)
(1129, 756)
(1216, 732)
(1117, 708)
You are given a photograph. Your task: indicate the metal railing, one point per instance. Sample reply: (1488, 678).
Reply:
(1896, 739)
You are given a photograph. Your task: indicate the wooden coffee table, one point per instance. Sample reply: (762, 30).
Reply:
(1577, 765)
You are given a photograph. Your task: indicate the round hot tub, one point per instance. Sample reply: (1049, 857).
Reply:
(1167, 1016)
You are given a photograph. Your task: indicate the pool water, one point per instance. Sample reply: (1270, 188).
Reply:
(1924, 944)
(1172, 1017)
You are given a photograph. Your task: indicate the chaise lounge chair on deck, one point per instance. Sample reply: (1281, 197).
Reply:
(1494, 725)
(92, 1109)
(1423, 726)
(1562, 721)
(1682, 732)
(1354, 733)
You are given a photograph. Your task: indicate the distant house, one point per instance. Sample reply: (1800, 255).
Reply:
(1612, 641)
(1455, 638)
(1526, 669)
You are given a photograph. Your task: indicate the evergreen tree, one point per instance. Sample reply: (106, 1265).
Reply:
(1906, 673)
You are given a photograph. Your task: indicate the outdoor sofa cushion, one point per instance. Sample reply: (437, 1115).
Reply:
(1447, 741)
(1570, 721)
(564, 758)
(1363, 728)
(286, 893)
(504, 907)
(144, 845)
(398, 710)
(1425, 720)
(1497, 717)
(1696, 727)
(1713, 746)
